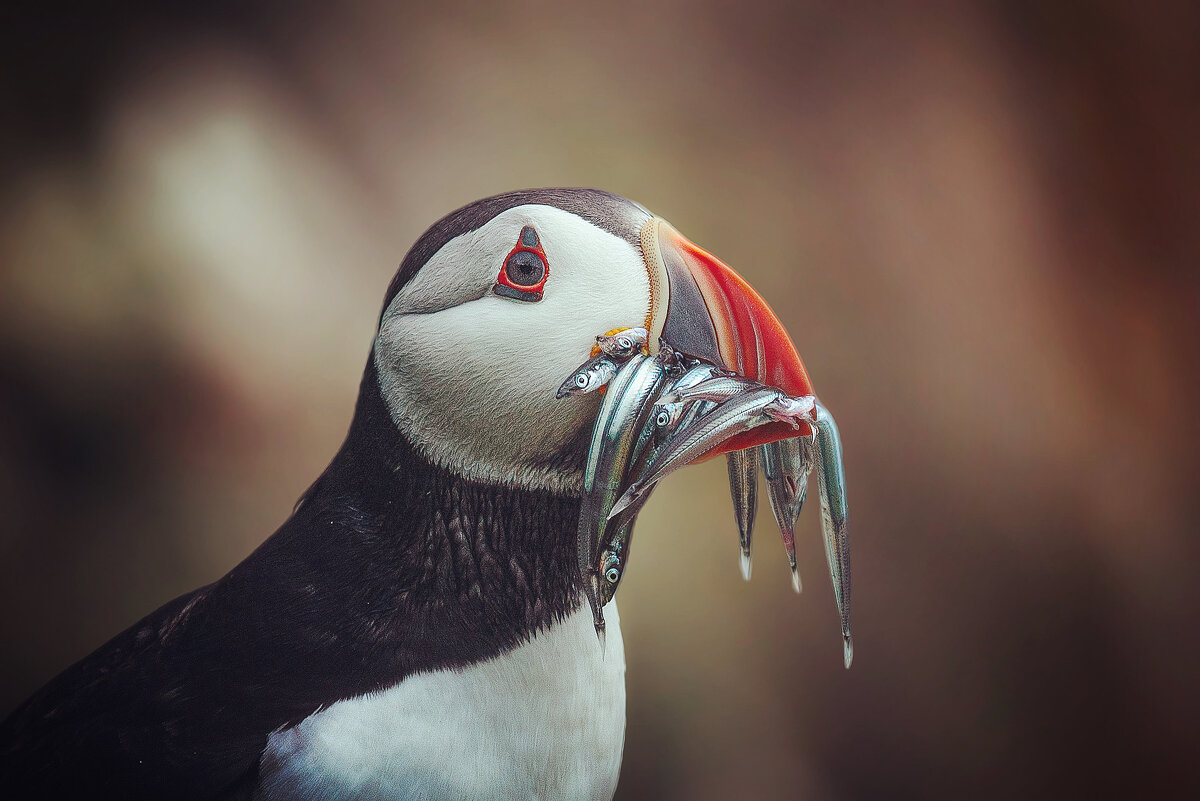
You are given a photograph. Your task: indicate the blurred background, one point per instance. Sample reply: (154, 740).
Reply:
(978, 221)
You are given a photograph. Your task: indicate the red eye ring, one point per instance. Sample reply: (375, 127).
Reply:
(525, 269)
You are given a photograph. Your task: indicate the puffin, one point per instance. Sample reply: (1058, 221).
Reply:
(417, 628)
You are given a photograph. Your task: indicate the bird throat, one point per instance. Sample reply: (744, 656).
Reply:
(467, 569)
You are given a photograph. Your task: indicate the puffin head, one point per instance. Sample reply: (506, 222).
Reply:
(502, 299)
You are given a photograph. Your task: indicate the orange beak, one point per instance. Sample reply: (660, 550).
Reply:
(711, 313)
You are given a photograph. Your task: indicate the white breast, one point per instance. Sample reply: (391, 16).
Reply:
(546, 721)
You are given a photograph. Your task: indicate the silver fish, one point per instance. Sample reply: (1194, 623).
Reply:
(720, 388)
(674, 410)
(717, 389)
(591, 375)
(832, 482)
(743, 486)
(670, 401)
(785, 466)
(662, 426)
(623, 344)
(739, 414)
(656, 427)
(661, 421)
(626, 404)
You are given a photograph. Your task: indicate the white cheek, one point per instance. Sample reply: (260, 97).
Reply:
(476, 396)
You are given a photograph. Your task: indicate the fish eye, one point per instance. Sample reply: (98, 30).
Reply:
(664, 417)
(625, 342)
(581, 380)
(612, 574)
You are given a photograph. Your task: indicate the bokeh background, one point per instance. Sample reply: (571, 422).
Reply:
(979, 222)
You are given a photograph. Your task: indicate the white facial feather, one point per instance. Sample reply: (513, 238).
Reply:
(470, 376)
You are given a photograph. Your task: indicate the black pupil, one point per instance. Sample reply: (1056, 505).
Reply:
(524, 268)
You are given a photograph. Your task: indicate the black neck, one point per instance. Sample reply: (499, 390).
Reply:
(454, 570)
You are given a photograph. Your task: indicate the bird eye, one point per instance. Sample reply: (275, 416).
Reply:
(524, 272)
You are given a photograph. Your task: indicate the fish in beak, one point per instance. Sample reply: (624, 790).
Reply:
(747, 388)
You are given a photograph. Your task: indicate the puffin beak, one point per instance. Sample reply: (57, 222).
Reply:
(711, 313)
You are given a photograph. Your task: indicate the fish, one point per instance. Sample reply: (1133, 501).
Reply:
(659, 425)
(623, 343)
(691, 376)
(614, 559)
(717, 388)
(743, 487)
(786, 409)
(690, 442)
(664, 412)
(831, 479)
(663, 425)
(591, 375)
(786, 469)
(670, 411)
(623, 412)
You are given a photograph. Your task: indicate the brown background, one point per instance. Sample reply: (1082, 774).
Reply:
(979, 222)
